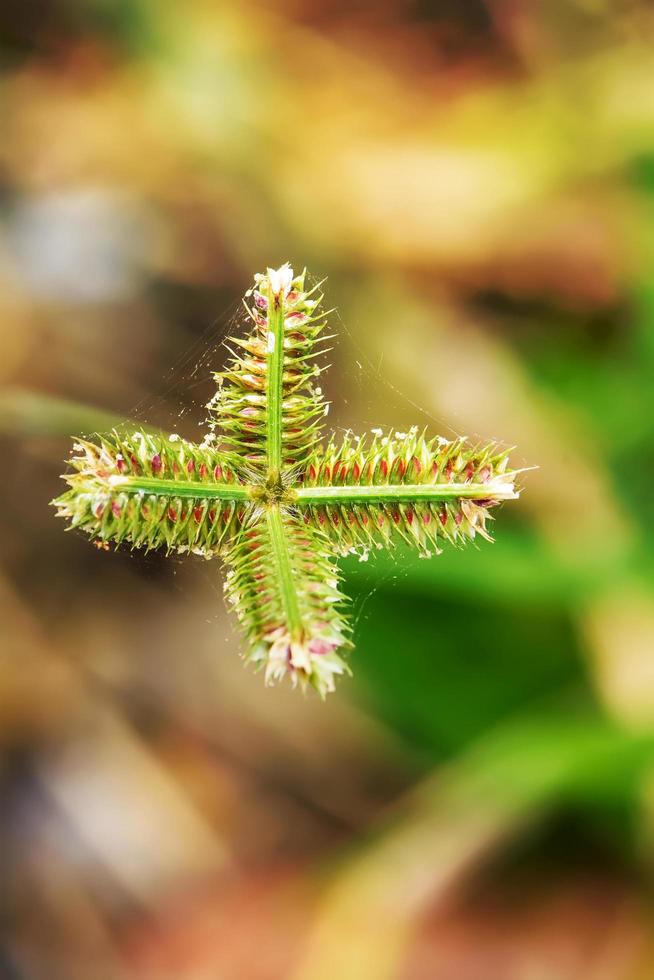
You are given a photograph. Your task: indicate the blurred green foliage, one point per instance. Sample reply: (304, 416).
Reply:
(477, 181)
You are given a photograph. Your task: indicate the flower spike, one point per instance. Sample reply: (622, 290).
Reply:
(265, 493)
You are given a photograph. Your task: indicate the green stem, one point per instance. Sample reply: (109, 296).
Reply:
(402, 492)
(279, 546)
(275, 372)
(180, 488)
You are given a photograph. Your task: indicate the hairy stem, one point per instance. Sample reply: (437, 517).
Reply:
(404, 493)
(179, 488)
(284, 571)
(275, 341)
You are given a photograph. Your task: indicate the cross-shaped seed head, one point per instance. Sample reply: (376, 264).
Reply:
(277, 503)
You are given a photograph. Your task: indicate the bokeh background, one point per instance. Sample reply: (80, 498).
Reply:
(476, 179)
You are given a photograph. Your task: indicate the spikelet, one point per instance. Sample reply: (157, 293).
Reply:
(407, 459)
(290, 616)
(238, 410)
(101, 502)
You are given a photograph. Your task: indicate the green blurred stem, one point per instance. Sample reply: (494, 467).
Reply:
(31, 413)
(179, 488)
(402, 493)
(368, 918)
(275, 341)
(279, 549)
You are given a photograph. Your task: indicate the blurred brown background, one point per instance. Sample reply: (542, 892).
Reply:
(476, 179)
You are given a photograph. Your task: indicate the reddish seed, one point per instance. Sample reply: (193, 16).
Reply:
(401, 468)
(172, 514)
(484, 474)
(383, 466)
(99, 511)
(175, 467)
(198, 513)
(312, 472)
(426, 518)
(327, 472)
(217, 473)
(417, 465)
(121, 465)
(115, 509)
(396, 516)
(212, 516)
(336, 520)
(356, 471)
(202, 471)
(321, 517)
(469, 471)
(443, 517)
(380, 520)
(458, 517)
(156, 463)
(409, 516)
(190, 466)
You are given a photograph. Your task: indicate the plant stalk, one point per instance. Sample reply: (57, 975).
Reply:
(179, 488)
(403, 493)
(288, 591)
(275, 341)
